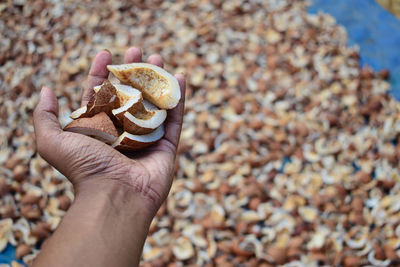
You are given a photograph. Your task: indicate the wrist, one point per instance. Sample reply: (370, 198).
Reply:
(103, 223)
(127, 180)
(105, 195)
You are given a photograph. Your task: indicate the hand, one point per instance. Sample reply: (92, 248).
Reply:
(93, 166)
(116, 195)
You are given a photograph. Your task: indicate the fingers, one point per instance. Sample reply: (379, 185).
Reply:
(98, 71)
(133, 55)
(173, 124)
(155, 60)
(97, 74)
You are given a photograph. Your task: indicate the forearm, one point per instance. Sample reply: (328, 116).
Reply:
(104, 227)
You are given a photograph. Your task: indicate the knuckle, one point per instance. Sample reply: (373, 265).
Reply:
(37, 109)
(38, 114)
(44, 143)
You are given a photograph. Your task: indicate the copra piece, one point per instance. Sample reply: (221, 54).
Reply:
(130, 99)
(123, 108)
(157, 85)
(104, 100)
(128, 141)
(99, 126)
(145, 118)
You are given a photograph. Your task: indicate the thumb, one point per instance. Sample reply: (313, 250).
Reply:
(47, 127)
(46, 113)
(70, 153)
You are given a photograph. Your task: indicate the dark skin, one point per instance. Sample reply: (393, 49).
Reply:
(116, 195)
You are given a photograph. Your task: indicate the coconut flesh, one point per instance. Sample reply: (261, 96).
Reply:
(136, 108)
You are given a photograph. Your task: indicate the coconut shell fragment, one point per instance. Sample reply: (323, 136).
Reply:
(79, 113)
(116, 108)
(105, 99)
(145, 119)
(127, 141)
(130, 99)
(157, 85)
(100, 126)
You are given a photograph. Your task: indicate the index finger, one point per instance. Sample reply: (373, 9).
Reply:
(97, 74)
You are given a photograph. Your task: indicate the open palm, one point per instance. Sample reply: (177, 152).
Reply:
(87, 162)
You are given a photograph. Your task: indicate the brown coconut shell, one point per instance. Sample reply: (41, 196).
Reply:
(130, 99)
(99, 126)
(145, 119)
(105, 100)
(127, 141)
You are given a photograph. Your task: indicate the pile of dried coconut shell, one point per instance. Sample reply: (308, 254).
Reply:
(128, 116)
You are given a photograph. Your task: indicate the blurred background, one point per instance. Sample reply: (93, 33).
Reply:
(289, 153)
(392, 5)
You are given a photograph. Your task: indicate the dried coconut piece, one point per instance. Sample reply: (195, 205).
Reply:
(127, 141)
(96, 88)
(105, 97)
(130, 100)
(125, 93)
(377, 262)
(162, 237)
(28, 259)
(22, 250)
(358, 240)
(15, 264)
(5, 232)
(22, 226)
(145, 119)
(195, 233)
(157, 85)
(105, 100)
(152, 253)
(183, 248)
(99, 126)
(79, 113)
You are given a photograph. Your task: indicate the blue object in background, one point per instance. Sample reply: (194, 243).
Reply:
(8, 255)
(375, 30)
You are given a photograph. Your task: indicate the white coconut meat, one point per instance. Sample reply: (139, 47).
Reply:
(157, 85)
(97, 88)
(126, 93)
(127, 141)
(129, 97)
(145, 120)
(78, 113)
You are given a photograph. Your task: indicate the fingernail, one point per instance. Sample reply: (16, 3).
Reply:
(140, 49)
(105, 49)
